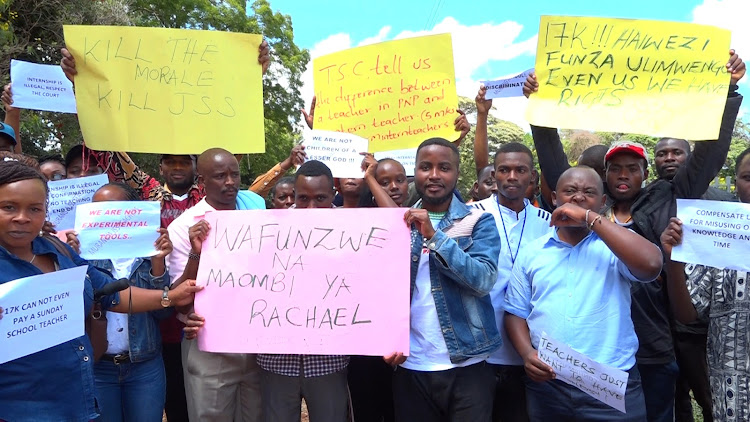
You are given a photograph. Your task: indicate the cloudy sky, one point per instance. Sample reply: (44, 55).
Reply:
(491, 38)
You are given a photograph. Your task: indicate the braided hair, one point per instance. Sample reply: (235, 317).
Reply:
(16, 171)
(21, 158)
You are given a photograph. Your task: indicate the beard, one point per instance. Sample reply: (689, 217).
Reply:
(185, 183)
(431, 200)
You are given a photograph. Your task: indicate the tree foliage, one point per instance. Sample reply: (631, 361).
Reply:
(32, 31)
(499, 132)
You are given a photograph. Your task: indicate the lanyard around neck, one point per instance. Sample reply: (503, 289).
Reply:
(507, 239)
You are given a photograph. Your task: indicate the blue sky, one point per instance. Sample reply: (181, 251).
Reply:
(487, 45)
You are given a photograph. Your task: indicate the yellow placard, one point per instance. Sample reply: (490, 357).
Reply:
(395, 93)
(635, 76)
(171, 91)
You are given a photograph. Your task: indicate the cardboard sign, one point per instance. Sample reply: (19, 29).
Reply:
(169, 91)
(635, 76)
(318, 281)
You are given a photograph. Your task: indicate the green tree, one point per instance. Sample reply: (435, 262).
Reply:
(32, 31)
(499, 132)
(282, 82)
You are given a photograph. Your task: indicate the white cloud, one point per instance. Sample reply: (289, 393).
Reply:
(732, 15)
(474, 47)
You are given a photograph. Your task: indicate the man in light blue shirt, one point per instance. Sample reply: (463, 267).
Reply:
(518, 223)
(574, 284)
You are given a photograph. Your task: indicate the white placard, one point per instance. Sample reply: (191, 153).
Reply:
(407, 158)
(118, 229)
(40, 312)
(64, 195)
(602, 382)
(714, 233)
(341, 152)
(511, 87)
(41, 87)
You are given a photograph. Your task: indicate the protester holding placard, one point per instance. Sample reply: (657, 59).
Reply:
(130, 376)
(719, 295)
(179, 193)
(320, 380)
(575, 285)
(453, 269)
(518, 223)
(670, 155)
(216, 384)
(56, 383)
(648, 211)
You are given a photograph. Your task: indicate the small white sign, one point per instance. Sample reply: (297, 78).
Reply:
(511, 87)
(40, 312)
(714, 233)
(407, 158)
(41, 87)
(341, 152)
(118, 229)
(602, 382)
(64, 195)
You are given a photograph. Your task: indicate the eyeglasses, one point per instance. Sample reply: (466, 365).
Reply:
(57, 176)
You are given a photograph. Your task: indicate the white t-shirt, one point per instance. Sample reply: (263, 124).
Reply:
(117, 323)
(532, 223)
(427, 348)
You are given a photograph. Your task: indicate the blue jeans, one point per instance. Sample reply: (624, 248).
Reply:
(658, 387)
(557, 401)
(131, 391)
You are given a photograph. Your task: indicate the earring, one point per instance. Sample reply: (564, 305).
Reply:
(41, 233)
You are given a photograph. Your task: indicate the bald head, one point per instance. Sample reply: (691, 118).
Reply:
(593, 157)
(213, 157)
(584, 173)
(219, 173)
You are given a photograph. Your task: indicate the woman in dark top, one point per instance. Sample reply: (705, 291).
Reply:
(56, 383)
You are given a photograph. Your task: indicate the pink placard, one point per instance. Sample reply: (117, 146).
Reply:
(318, 281)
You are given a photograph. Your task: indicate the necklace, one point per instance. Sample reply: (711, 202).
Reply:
(613, 219)
(32, 259)
(507, 239)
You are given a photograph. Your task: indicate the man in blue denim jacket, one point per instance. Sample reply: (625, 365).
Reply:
(453, 268)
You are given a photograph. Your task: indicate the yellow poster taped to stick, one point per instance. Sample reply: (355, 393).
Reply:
(170, 91)
(395, 93)
(618, 75)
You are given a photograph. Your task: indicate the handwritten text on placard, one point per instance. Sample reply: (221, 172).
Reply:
(164, 90)
(602, 382)
(619, 75)
(396, 93)
(305, 282)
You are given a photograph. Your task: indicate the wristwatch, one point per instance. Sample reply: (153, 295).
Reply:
(165, 301)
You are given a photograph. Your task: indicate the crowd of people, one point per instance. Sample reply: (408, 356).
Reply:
(580, 252)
